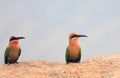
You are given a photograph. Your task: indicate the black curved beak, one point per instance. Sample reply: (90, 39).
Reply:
(82, 36)
(78, 36)
(20, 38)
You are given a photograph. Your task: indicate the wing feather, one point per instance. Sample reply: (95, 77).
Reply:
(6, 55)
(67, 55)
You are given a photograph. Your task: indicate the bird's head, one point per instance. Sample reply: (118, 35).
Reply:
(15, 38)
(75, 36)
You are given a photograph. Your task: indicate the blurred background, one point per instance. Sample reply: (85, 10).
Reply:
(46, 25)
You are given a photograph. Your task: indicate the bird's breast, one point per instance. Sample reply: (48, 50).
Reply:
(74, 51)
(13, 52)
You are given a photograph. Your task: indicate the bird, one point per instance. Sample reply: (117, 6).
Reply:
(73, 51)
(13, 50)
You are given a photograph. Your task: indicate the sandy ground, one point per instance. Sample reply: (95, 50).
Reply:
(98, 67)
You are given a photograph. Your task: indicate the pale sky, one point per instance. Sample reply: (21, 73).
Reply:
(46, 24)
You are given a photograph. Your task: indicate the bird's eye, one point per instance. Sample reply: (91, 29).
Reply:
(73, 36)
(12, 38)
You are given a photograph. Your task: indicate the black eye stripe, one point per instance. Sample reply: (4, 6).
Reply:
(13, 38)
(74, 36)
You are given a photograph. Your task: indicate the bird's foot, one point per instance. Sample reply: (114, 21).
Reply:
(8, 63)
(16, 62)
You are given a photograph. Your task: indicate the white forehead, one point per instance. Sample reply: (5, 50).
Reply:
(14, 35)
(75, 33)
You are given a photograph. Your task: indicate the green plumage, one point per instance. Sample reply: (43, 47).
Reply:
(66, 55)
(10, 56)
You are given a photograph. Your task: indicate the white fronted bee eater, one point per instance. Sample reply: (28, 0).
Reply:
(13, 50)
(73, 51)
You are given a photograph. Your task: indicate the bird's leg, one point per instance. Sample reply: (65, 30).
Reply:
(8, 62)
(16, 62)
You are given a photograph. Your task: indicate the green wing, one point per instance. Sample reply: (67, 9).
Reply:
(6, 55)
(19, 52)
(80, 54)
(66, 55)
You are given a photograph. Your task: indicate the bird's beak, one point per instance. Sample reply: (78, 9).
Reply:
(20, 37)
(81, 35)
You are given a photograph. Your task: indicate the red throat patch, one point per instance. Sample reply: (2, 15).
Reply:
(14, 42)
